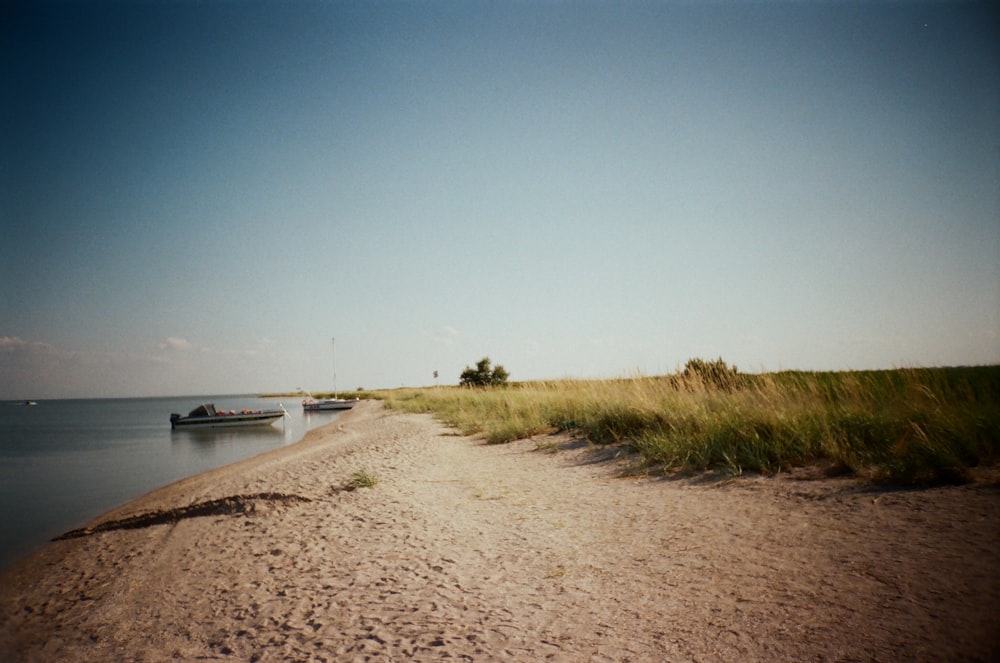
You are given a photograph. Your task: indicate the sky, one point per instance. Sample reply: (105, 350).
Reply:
(199, 197)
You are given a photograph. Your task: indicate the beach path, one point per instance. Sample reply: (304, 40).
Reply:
(530, 551)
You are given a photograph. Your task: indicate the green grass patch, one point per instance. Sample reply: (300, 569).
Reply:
(360, 479)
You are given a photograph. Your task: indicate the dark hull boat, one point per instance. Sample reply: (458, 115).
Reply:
(206, 416)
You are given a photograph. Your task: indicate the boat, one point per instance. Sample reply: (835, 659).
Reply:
(206, 416)
(311, 404)
(321, 404)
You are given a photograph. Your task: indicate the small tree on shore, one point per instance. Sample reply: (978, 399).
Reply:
(484, 375)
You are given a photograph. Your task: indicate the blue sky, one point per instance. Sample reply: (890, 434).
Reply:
(196, 197)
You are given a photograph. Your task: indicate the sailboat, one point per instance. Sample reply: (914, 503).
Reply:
(311, 404)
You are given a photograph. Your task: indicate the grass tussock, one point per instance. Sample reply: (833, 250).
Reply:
(905, 426)
(360, 479)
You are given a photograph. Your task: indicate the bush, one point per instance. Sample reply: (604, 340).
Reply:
(484, 375)
(715, 374)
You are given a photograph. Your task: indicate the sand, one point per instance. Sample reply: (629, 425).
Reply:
(535, 550)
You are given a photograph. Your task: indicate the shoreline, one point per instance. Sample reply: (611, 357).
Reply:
(503, 552)
(196, 484)
(68, 462)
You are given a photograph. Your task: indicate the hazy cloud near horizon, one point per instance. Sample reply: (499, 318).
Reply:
(198, 197)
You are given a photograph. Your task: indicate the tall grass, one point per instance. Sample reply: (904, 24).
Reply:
(907, 426)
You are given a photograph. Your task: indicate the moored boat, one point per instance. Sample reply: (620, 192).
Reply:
(314, 405)
(206, 416)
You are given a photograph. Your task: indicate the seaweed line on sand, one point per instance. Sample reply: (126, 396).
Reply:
(230, 505)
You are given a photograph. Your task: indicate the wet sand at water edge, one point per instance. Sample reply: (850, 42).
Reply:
(531, 551)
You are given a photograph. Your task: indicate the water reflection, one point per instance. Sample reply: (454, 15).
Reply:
(320, 417)
(202, 437)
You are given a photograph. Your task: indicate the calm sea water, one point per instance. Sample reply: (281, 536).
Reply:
(65, 462)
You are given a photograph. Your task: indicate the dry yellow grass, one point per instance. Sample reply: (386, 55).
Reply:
(903, 426)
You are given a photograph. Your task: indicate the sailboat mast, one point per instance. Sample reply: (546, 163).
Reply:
(333, 344)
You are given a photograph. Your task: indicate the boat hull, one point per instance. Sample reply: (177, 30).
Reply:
(328, 405)
(199, 418)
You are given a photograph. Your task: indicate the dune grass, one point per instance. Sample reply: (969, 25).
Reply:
(360, 479)
(905, 426)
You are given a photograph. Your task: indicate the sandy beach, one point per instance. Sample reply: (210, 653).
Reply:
(535, 550)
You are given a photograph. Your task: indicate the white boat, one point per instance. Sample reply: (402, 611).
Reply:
(312, 404)
(206, 416)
